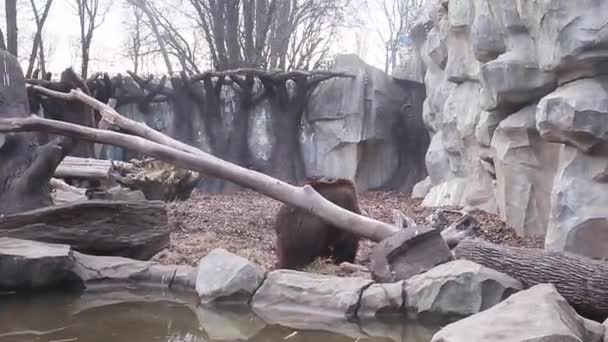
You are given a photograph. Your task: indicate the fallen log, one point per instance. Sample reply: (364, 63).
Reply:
(86, 168)
(583, 282)
(135, 230)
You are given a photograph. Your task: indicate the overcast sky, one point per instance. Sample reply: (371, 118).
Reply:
(62, 32)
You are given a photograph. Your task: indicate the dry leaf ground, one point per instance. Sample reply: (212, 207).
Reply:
(242, 224)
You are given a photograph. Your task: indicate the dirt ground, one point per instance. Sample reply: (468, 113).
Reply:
(242, 224)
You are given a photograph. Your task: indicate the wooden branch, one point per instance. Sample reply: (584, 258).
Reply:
(583, 282)
(112, 117)
(302, 197)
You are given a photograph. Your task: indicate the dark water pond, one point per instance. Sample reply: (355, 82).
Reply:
(131, 316)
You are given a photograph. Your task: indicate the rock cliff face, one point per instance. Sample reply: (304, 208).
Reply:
(517, 107)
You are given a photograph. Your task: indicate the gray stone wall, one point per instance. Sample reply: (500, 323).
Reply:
(368, 128)
(517, 108)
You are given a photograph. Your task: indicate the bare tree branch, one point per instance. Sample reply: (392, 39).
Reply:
(37, 44)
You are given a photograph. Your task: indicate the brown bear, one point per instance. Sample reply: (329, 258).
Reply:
(303, 237)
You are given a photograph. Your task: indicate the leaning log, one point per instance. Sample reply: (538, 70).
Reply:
(302, 197)
(583, 282)
(135, 230)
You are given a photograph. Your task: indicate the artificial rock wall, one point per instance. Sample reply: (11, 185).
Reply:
(368, 128)
(517, 108)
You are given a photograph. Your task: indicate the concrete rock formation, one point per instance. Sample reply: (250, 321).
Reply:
(457, 289)
(517, 104)
(537, 314)
(225, 277)
(368, 128)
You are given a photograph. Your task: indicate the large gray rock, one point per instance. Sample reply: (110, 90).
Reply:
(224, 277)
(366, 128)
(537, 314)
(411, 67)
(509, 81)
(576, 114)
(454, 157)
(29, 265)
(422, 188)
(307, 300)
(489, 60)
(458, 288)
(381, 300)
(100, 270)
(579, 219)
(449, 193)
(525, 167)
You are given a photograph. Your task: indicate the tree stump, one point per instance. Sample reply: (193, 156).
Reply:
(25, 167)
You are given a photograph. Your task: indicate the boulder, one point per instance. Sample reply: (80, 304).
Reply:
(537, 314)
(525, 168)
(422, 188)
(437, 161)
(456, 289)
(224, 277)
(93, 270)
(381, 300)
(410, 67)
(509, 81)
(30, 265)
(576, 114)
(408, 252)
(449, 193)
(579, 220)
(308, 300)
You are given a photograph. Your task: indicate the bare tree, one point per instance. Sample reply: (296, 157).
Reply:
(146, 7)
(11, 27)
(398, 16)
(91, 14)
(136, 36)
(37, 45)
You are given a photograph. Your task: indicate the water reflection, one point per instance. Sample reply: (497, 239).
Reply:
(129, 316)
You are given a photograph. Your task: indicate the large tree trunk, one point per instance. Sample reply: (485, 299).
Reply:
(25, 167)
(135, 230)
(581, 281)
(77, 113)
